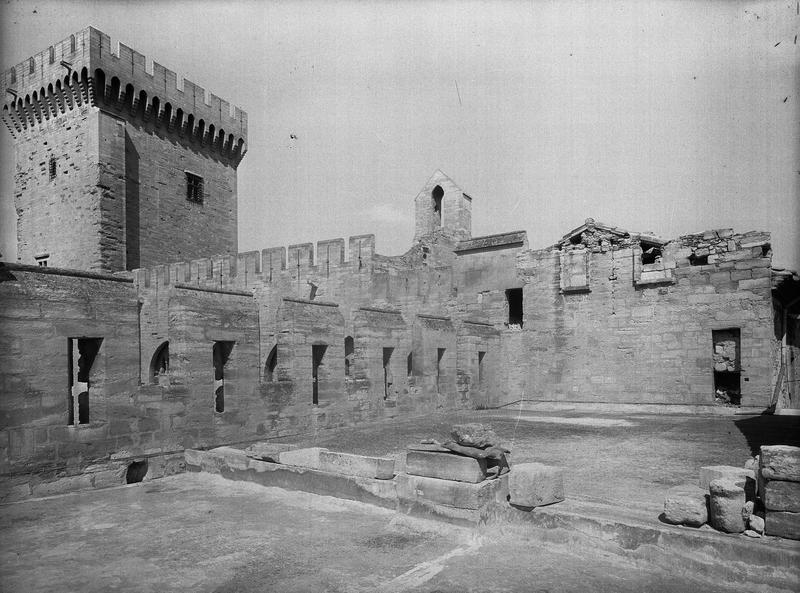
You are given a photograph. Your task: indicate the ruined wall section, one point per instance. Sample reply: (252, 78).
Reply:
(40, 312)
(621, 338)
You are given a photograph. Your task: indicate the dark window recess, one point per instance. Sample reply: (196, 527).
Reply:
(410, 364)
(388, 379)
(514, 301)
(317, 369)
(272, 364)
(439, 365)
(42, 261)
(81, 355)
(52, 54)
(651, 253)
(194, 188)
(698, 260)
(31, 66)
(13, 76)
(52, 168)
(159, 365)
(437, 194)
(481, 356)
(349, 352)
(72, 44)
(221, 355)
(576, 239)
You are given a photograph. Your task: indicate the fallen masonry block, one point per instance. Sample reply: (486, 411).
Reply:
(535, 484)
(686, 505)
(267, 451)
(302, 457)
(725, 505)
(356, 465)
(445, 466)
(460, 495)
(780, 462)
(782, 496)
(217, 460)
(712, 472)
(782, 524)
(756, 523)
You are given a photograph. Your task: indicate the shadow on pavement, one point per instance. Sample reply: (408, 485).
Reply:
(769, 430)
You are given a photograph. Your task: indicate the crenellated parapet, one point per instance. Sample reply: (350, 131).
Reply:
(83, 69)
(248, 269)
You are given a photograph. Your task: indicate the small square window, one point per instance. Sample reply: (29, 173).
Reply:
(194, 188)
(41, 260)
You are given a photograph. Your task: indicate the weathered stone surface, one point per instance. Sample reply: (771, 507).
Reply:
(780, 462)
(782, 524)
(461, 495)
(756, 523)
(474, 435)
(686, 505)
(751, 464)
(712, 472)
(782, 496)
(725, 505)
(309, 457)
(445, 466)
(747, 510)
(267, 451)
(381, 468)
(535, 484)
(751, 533)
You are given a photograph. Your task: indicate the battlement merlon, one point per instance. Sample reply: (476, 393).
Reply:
(91, 49)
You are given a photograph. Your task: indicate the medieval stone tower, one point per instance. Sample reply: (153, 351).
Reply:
(118, 168)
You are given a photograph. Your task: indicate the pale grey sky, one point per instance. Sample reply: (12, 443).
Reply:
(671, 117)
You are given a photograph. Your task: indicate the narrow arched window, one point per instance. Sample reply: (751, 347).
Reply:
(436, 195)
(72, 44)
(159, 365)
(272, 364)
(13, 76)
(31, 66)
(52, 54)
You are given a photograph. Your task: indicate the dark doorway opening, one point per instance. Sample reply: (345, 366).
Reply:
(514, 301)
(136, 472)
(349, 351)
(439, 366)
(481, 372)
(221, 355)
(80, 371)
(727, 366)
(159, 365)
(317, 356)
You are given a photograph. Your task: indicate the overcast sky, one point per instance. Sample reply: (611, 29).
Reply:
(670, 117)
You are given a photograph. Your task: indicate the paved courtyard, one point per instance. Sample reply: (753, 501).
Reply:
(199, 532)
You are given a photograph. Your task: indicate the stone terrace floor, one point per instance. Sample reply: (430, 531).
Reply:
(625, 460)
(199, 533)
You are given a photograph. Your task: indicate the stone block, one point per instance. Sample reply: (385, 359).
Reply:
(782, 496)
(710, 473)
(686, 505)
(726, 504)
(780, 462)
(535, 484)
(445, 466)
(302, 457)
(756, 523)
(460, 495)
(381, 468)
(782, 524)
(267, 451)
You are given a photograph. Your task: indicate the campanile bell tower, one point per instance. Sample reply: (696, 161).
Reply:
(442, 207)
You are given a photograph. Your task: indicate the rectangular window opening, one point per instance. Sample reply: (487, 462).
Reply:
(651, 253)
(41, 260)
(317, 368)
(388, 379)
(727, 366)
(439, 366)
(221, 354)
(81, 355)
(410, 364)
(514, 302)
(194, 188)
(52, 168)
(481, 370)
